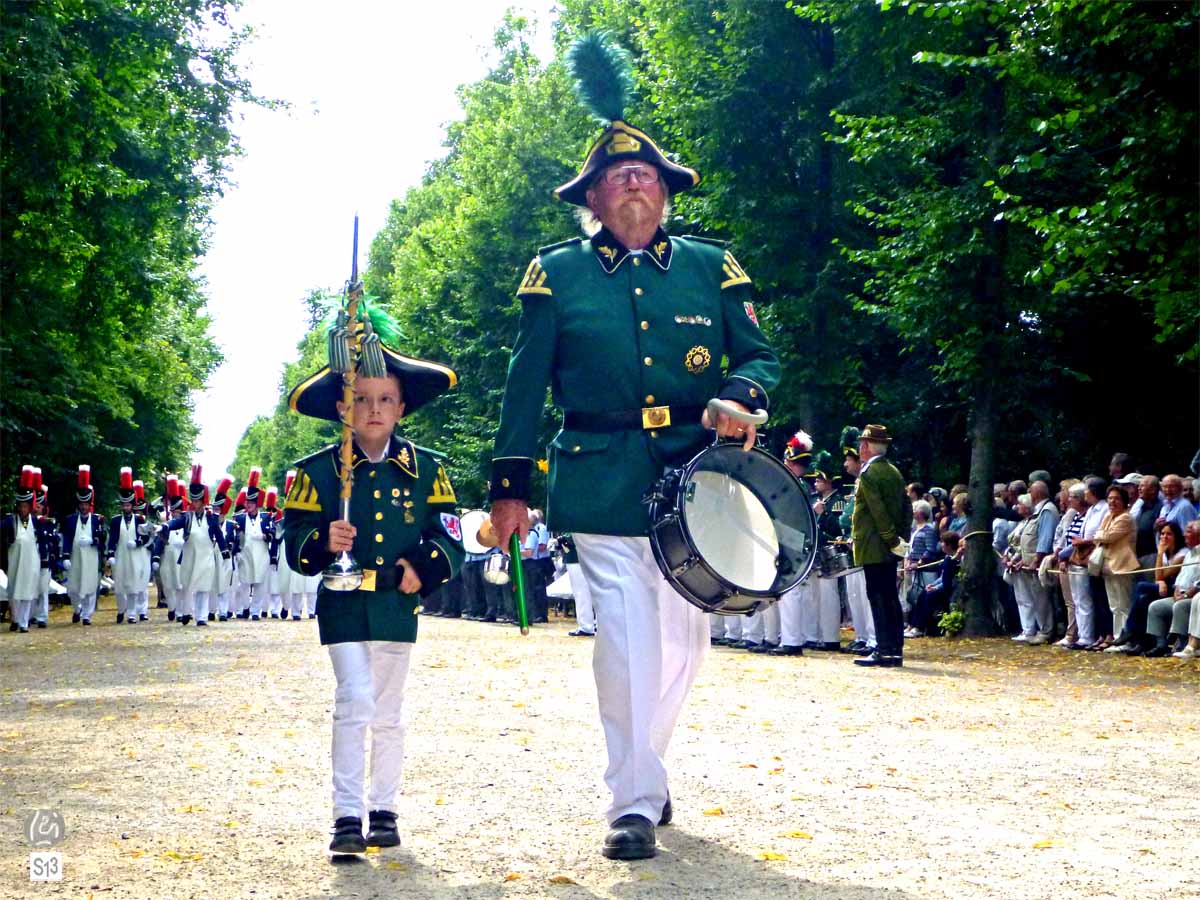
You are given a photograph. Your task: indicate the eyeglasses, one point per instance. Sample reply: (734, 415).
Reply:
(620, 177)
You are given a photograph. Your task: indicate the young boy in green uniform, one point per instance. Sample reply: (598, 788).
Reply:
(404, 532)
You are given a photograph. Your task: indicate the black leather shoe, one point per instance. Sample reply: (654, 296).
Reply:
(183, 620)
(764, 647)
(171, 615)
(490, 617)
(120, 618)
(143, 618)
(788, 650)
(200, 623)
(212, 617)
(87, 622)
(880, 661)
(348, 836)
(1159, 650)
(579, 632)
(41, 624)
(162, 604)
(284, 614)
(75, 619)
(667, 814)
(854, 646)
(630, 837)
(13, 626)
(830, 646)
(383, 831)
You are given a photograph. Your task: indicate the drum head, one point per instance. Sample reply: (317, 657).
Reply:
(470, 531)
(748, 519)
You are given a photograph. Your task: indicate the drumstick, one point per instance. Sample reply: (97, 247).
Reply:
(518, 581)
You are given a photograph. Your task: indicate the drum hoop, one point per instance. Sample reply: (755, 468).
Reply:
(685, 475)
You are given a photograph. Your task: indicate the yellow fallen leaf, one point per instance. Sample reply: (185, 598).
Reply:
(518, 706)
(232, 823)
(181, 857)
(749, 766)
(512, 876)
(196, 765)
(191, 808)
(917, 719)
(799, 835)
(769, 856)
(372, 851)
(137, 854)
(777, 771)
(396, 866)
(64, 704)
(1044, 845)
(714, 811)
(78, 787)
(440, 801)
(279, 770)
(291, 732)
(107, 718)
(13, 734)
(562, 879)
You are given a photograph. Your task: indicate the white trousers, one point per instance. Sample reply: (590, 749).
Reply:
(194, 603)
(127, 603)
(585, 614)
(85, 605)
(370, 692)
(734, 626)
(19, 610)
(143, 603)
(860, 607)
(1033, 605)
(791, 612)
(299, 601)
(821, 611)
(650, 643)
(252, 600)
(763, 625)
(41, 605)
(1081, 593)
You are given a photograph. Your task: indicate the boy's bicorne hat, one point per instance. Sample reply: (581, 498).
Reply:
(604, 83)
(421, 380)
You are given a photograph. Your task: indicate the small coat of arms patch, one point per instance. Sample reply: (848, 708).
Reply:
(697, 360)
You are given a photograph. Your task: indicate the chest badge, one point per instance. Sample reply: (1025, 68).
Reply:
(697, 360)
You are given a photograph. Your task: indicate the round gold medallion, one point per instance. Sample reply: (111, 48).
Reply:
(697, 360)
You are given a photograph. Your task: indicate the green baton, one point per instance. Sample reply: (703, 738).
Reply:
(517, 571)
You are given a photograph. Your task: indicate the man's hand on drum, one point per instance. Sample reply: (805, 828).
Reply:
(509, 516)
(727, 426)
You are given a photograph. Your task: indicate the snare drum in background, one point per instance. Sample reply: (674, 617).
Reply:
(732, 530)
(834, 560)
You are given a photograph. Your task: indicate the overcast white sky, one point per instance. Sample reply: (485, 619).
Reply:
(371, 84)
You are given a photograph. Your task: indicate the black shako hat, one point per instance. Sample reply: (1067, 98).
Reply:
(603, 81)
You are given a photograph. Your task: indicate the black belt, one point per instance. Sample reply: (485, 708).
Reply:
(627, 419)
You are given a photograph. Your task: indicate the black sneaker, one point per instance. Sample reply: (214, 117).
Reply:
(348, 836)
(383, 831)
(75, 619)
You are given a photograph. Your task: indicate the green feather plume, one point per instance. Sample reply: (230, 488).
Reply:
(381, 320)
(603, 72)
(849, 437)
(822, 462)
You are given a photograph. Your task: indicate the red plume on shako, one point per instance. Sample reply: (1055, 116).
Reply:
(125, 485)
(25, 489)
(197, 490)
(253, 493)
(799, 448)
(288, 480)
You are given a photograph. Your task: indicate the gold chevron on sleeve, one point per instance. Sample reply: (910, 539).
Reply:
(734, 273)
(303, 495)
(534, 281)
(443, 491)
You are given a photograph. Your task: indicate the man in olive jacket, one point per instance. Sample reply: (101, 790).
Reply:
(879, 526)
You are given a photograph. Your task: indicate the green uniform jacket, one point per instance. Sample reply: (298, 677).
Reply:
(610, 331)
(877, 522)
(402, 507)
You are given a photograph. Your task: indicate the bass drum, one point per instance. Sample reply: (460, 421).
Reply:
(732, 530)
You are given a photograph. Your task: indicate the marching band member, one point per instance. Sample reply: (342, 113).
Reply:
(201, 530)
(146, 555)
(253, 566)
(20, 555)
(301, 588)
(648, 319)
(279, 581)
(856, 581)
(125, 540)
(223, 563)
(794, 605)
(170, 547)
(83, 536)
(405, 533)
(823, 620)
(50, 544)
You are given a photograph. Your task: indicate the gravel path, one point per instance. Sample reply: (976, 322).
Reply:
(193, 763)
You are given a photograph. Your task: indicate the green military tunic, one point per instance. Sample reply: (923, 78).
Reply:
(404, 507)
(878, 519)
(610, 331)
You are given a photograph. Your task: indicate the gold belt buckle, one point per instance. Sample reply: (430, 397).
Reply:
(656, 417)
(368, 582)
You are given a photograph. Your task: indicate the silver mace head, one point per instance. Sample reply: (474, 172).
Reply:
(343, 574)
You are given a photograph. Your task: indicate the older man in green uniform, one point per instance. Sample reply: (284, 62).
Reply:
(404, 531)
(633, 331)
(880, 525)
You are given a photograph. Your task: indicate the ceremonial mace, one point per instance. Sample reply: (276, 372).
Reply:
(353, 345)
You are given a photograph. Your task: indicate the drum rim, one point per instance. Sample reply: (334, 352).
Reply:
(685, 472)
